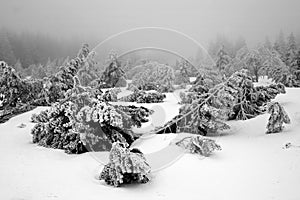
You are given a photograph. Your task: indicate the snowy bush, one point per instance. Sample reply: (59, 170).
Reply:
(144, 97)
(199, 145)
(277, 118)
(125, 166)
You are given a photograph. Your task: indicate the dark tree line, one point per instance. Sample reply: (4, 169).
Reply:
(33, 49)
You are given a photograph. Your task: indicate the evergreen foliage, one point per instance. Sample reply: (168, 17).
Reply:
(113, 75)
(182, 75)
(237, 98)
(125, 166)
(277, 118)
(199, 145)
(155, 76)
(85, 121)
(140, 96)
(19, 95)
(223, 59)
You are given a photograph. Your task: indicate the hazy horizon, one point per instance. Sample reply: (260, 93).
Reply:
(202, 20)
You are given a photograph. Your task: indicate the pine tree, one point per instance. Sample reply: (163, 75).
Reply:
(280, 45)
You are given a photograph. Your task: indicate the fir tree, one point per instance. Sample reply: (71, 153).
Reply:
(291, 50)
(89, 71)
(254, 63)
(295, 68)
(182, 76)
(223, 59)
(280, 45)
(113, 75)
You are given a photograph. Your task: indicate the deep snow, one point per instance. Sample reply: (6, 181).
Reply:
(251, 165)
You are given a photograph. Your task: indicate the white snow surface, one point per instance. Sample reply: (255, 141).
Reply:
(251, 165)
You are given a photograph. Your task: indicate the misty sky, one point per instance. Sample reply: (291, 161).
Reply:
(201, 19)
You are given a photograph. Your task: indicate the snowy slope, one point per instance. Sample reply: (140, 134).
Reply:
(252, 165)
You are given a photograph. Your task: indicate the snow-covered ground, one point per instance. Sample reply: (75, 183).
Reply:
(251, 165)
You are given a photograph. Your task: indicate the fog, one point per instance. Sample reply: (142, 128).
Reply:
(200, 19)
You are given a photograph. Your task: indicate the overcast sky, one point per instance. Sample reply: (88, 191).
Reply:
(201, 19)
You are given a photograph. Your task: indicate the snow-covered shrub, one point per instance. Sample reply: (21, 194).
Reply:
(277, 118)
(125, 166)
(53, 129)
(199, 145)
(140, 96)
(133, 115)
(154, 76)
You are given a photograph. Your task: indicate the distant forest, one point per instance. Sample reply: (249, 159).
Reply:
(32, 49)
(38, 55)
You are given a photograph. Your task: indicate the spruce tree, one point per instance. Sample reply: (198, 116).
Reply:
(295, 67)
(223, 59)
(291, 50)
(280, 45)
(113, 75)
